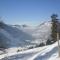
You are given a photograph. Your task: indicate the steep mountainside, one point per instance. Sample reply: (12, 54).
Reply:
(25, 36)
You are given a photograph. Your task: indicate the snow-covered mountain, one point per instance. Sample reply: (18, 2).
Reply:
(25, 36)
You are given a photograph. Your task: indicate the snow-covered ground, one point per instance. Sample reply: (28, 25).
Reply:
(57, 58)
(49, 52)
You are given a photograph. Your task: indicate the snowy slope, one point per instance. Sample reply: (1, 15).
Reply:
(16, 37)
(42, 53)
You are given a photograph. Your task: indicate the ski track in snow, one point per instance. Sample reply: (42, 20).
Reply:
(25, 55)
(44, 54)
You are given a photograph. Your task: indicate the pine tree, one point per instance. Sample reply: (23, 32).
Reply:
(54, 27)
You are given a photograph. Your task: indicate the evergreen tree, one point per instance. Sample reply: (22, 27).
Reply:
(54, 27)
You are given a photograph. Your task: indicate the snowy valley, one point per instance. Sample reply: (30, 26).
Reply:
(23, 42)
(25, 36)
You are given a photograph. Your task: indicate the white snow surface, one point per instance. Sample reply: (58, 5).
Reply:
(49, 52)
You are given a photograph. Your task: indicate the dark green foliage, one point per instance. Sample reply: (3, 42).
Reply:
(31, 47)
(59, 35)
(49, 42)
(54, 27)
(41, 44)
(18, 50)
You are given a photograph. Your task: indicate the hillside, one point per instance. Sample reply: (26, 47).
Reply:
(25, 36)
(49, 52)
(18, 38)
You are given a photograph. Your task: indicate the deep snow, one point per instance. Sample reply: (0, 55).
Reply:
(49, 52)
